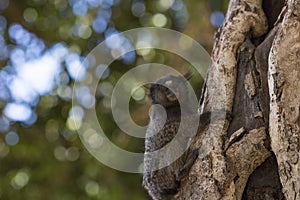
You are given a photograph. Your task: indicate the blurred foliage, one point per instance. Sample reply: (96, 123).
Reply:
(41, 156)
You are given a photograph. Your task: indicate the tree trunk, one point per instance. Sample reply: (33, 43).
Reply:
(254, 75)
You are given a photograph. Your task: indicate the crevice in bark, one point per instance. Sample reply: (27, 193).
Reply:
(245, 110)
(264, 182)
(261, 59)
(272, 9)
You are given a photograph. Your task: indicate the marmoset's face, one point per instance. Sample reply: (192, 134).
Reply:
(167, 90)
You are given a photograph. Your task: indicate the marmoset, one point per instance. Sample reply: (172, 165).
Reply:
(167, 92)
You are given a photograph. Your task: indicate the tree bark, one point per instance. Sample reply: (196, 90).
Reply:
(254, 75)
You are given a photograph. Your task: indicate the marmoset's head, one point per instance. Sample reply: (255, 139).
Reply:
(169, 89)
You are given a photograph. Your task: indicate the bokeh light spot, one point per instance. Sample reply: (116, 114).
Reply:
(129, 57)
(74, 124)
(4, 4)
(138, 93)
(181, 17)
(92, 138)
(11, 138)
(84, 96)
(76, 112)
(138, 8)
(17, 112)
(177, 5)
(217, 18)
(80, 8)
(166, 4)
(65, 92)
(20, 179)
(62, 79)
(141, 50)
(92, 188)
(30, 15)
(159, 20)
(106, 89)
(72, 154)
(60, 153)
(84, 32)
(99, 24)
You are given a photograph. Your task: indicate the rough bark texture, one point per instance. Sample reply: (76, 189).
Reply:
(254, 74)
(284, 75)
